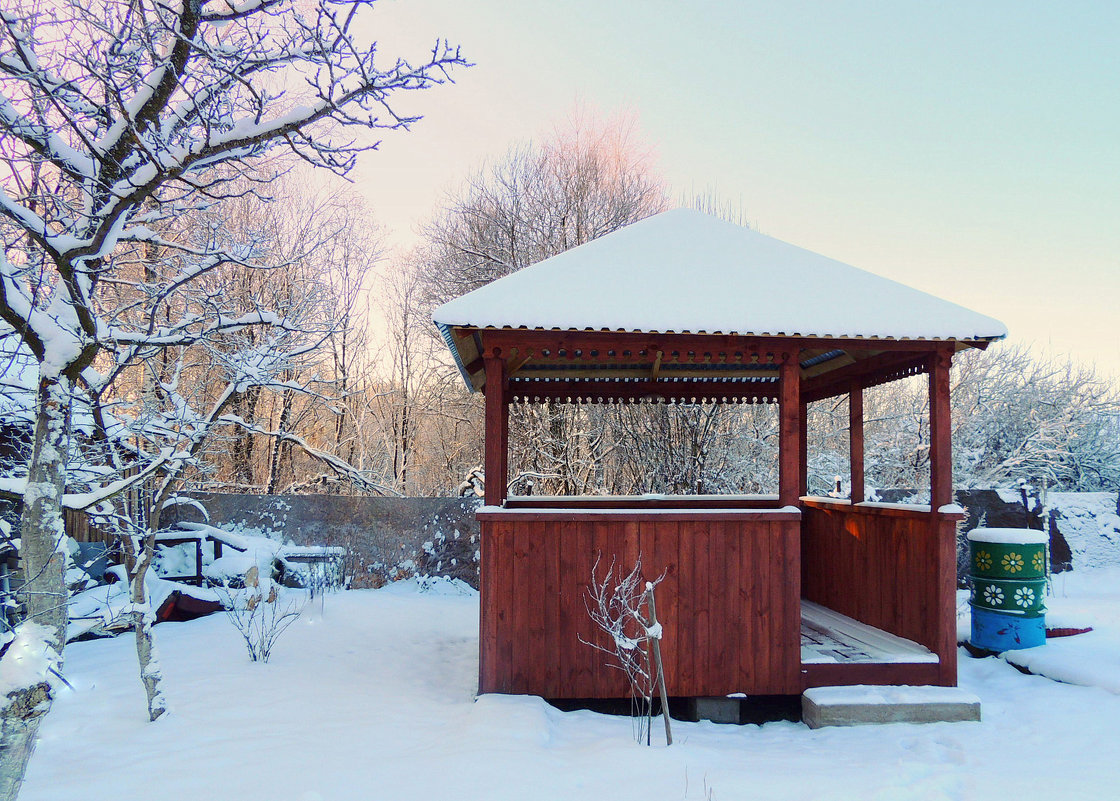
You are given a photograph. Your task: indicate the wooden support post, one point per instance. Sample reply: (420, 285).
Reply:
(941, 494)
(789, 431)
(497, 429)
(940, 431)
(855, 441)
(803, 449)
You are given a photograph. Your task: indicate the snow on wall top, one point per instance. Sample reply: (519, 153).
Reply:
(685, 271)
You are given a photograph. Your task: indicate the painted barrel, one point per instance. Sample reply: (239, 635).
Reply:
(1008, 567)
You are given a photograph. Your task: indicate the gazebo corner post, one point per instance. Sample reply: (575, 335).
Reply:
(803, 446)
(496, 457)
(944, 526)
(789, 431)
(940, 431)
(855, 442)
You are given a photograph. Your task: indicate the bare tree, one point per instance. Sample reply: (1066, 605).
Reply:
(115, 119)
(590, 178)
(399, 402)
(1050, 422)
(614, 604)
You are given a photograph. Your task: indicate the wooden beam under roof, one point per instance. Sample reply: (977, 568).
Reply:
(627, 355)
(842, 360)
(654, 391)
(869, 372)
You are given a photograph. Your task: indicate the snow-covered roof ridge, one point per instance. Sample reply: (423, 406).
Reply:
(684, 271)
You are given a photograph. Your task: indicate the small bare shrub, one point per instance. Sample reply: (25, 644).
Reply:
(615, 604)
(258, 613)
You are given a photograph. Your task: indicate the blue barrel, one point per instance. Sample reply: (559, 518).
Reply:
(1008, 568)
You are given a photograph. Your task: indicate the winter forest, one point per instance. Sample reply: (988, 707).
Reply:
(195, 297)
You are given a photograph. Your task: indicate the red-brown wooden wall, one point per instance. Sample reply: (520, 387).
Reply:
(891, 568)
(729, 602)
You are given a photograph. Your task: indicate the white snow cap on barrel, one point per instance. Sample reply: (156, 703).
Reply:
(1009, 536)
(684, 271)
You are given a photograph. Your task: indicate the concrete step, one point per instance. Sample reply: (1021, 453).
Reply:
(862, 704)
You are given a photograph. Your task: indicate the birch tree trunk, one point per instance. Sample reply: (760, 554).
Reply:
(44, 568)
(143, 618)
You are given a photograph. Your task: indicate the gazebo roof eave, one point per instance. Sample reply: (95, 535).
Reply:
(515, 339)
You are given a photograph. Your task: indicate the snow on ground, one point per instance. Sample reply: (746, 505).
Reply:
(372, 696)
(1080, 600)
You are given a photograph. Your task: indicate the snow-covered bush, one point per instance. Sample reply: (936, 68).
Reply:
(453, 555)
(614, 604)
(261, 611)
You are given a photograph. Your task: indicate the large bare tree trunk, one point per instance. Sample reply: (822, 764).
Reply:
(44, 568)
(41, 528)
(18, 726)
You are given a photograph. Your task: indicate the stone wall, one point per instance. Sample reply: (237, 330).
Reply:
(388, 538)
(1084, 527)
(385, 538)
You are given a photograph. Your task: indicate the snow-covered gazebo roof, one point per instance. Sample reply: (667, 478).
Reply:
(685, 272)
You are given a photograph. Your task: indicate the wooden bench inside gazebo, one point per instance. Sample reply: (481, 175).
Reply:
(762, 595)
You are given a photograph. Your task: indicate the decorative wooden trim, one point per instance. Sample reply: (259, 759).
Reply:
(707, 356)
(642, 391)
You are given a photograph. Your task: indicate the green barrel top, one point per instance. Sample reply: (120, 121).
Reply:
(1007, 553)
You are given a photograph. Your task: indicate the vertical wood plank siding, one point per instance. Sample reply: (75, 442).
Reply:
(890, 568)
(729, 601)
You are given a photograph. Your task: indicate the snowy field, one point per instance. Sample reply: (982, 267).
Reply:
(372, 697)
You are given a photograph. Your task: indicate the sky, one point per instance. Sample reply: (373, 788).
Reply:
(971, 150)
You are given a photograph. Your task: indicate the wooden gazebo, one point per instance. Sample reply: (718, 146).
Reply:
(763, 595)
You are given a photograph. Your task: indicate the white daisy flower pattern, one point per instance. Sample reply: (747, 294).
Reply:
(993, 595)
(1024, 597)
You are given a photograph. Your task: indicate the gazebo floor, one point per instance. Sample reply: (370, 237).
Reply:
(828, 637)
